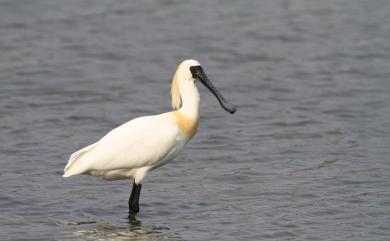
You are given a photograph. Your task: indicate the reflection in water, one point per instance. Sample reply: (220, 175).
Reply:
(306, 157)
(133, 229)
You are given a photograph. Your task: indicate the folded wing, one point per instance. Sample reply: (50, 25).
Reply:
(138, 143)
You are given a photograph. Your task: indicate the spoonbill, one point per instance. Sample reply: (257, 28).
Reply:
(133, 149)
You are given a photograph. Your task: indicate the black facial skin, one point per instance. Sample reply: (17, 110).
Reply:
(198, 73)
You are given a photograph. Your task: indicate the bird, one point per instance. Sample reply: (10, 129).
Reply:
(133, 149)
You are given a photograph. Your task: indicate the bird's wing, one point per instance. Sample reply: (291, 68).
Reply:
(140, 142)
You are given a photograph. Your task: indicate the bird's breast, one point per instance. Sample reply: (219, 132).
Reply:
(187, 125)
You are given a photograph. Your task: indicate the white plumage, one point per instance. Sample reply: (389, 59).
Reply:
(130, 150)
(142, 144)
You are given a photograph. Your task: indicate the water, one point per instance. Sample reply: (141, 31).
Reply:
(306, 157)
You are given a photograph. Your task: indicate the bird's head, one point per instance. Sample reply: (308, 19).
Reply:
(190, 70)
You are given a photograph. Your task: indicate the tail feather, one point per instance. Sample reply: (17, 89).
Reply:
(69, 168)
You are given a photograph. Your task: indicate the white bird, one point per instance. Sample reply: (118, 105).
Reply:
(131, 150)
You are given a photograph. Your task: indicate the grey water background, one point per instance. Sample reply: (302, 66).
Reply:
(306, 157)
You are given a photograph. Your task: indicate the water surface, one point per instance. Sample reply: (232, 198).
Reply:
(306, 157)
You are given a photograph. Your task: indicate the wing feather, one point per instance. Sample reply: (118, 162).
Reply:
(140, 142)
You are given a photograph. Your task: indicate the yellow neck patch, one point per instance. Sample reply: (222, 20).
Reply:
(175, 92)
(187, 125)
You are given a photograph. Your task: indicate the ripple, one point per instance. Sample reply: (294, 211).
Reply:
(304, 158)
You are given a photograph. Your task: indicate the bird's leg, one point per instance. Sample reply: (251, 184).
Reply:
(134, 199)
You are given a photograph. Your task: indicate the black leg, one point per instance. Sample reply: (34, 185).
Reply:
(134, 199)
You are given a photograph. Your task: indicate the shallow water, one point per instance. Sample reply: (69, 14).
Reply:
(306, 157)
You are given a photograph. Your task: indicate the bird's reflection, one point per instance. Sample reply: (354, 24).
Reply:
(131, 229)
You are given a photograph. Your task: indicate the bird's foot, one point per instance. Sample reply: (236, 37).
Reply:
(131, 217)
(133, 210)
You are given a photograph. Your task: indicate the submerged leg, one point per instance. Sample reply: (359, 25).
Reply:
(134, 198)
